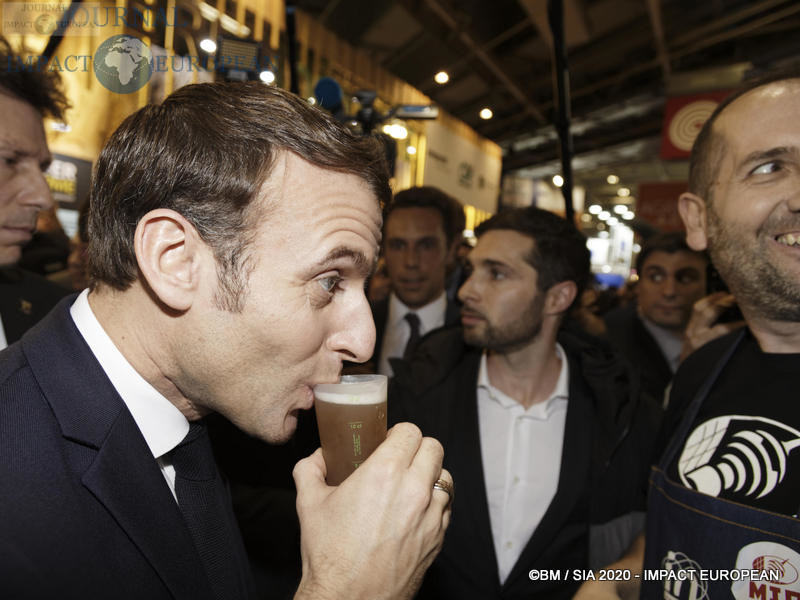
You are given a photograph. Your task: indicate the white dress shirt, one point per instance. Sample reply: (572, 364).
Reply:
(161, 423)
(395, 336)
(521, 452)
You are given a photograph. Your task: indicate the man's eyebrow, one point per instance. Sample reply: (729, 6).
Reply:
(489, 262)
(359, 260)
(772, 153)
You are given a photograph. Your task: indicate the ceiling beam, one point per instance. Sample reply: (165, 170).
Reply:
(483, 56)
(654, 11)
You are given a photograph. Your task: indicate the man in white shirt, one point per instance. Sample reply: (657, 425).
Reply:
(232, 229)
(422, 229)
(25, 97)
(543, 430)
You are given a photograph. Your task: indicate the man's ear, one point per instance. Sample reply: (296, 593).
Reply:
(559, 297)
(169, 252)
(693, 213)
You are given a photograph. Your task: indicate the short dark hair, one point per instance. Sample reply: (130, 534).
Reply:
(708, 146)
(559, 250)
(40, 88)
(670, 243)
(453, 219)
(205, 153)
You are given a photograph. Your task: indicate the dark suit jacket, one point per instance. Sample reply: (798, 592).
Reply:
(24, 299)
(380, 313)
(630, 337)
(599, 502)
(86, 512)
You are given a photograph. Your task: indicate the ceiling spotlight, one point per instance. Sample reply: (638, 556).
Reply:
(623, 192)
(441, 77)
(396, 130)
(612, 179)
(620, 208)
(208, 45)
(604, 215)
(411, 150)
(267, 76)
(628, 216)
(586, 218)
(613, 221)
(558, 180)
(595, 209)
(486, 113)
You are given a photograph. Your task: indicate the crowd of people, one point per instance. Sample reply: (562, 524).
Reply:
(155, 433)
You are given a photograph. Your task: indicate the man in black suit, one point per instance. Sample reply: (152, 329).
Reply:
(422, 229)
(232, 229)
(543, 430)
(672, 277)
(25, 97)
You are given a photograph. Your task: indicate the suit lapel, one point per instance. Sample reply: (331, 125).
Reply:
(650, 345)
(464, 450)
(133, 490)
(124, 477)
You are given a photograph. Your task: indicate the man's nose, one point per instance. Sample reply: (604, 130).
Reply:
(793, 201)
(468, 290)
(35, 191)
(411, 256)
(354, 338)
(669, 287)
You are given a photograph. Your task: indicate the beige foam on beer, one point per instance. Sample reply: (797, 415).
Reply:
(358, 389)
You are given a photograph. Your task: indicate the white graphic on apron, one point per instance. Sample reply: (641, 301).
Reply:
(686, 583)
(772, 558)
(737, 454)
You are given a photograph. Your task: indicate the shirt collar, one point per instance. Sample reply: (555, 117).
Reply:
(560, 391)
(431, 316)
(161, 423)
(670, 342)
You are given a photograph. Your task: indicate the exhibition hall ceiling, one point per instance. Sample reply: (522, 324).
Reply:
(625, 58)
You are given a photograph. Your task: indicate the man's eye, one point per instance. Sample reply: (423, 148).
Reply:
(496, 274)
(427, 244)
(395, 244)
(331, 283)
(767, 168)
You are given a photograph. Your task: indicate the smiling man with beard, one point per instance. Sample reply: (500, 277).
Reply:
(725, 492)
(544, 431)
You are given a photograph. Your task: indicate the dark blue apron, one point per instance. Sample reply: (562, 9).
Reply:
(701, 547)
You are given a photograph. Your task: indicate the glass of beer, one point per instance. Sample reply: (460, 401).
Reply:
(351, 416)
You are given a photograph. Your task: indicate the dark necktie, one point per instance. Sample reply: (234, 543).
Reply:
(202, 500)
(413, 339)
